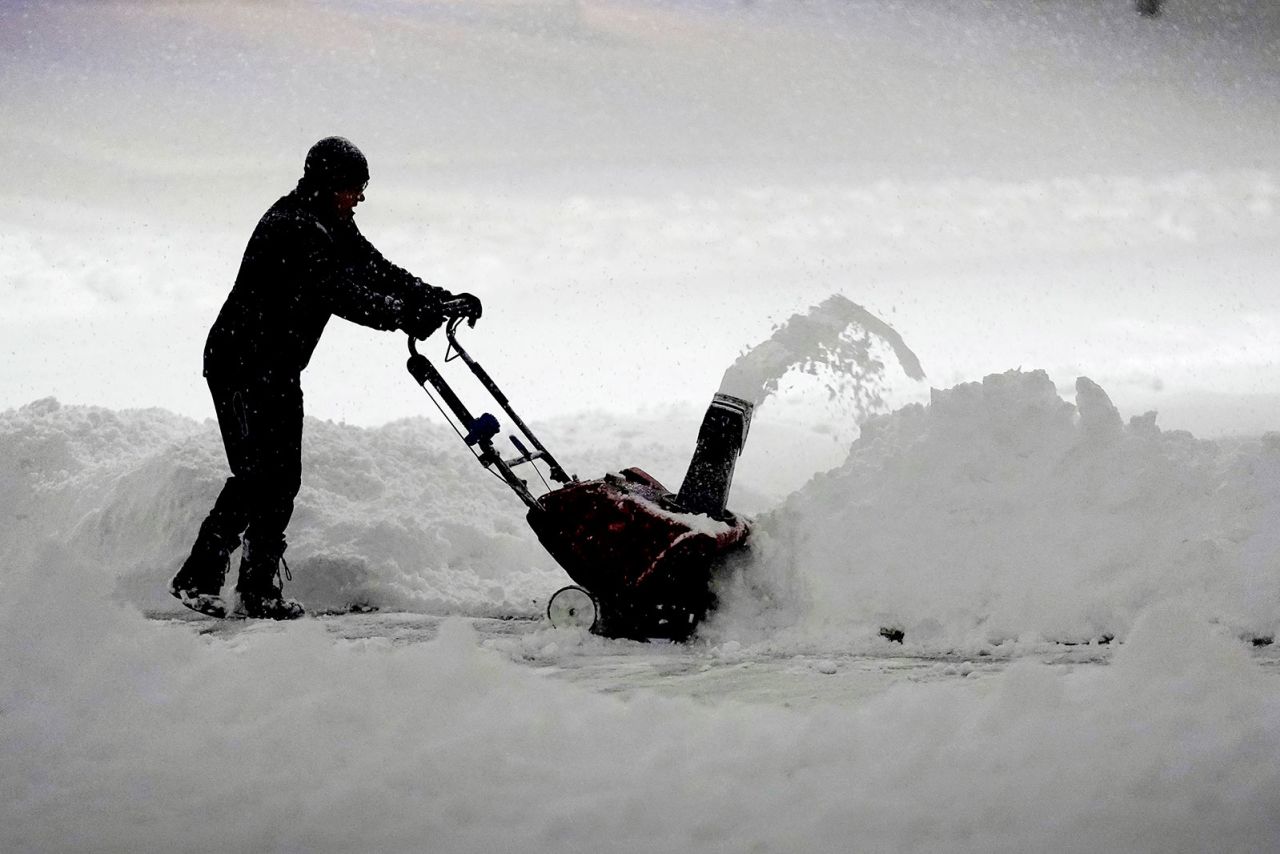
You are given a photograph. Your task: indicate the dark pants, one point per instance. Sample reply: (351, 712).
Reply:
(261, 425)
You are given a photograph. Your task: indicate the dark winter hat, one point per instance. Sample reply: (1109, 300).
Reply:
(335, 163)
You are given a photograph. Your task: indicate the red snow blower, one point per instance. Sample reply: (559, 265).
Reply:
(642, 557)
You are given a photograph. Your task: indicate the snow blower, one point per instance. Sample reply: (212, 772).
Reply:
(641, 557)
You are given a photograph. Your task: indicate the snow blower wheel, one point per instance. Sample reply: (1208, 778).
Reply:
(573, 607)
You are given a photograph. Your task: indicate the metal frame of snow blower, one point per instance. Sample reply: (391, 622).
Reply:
(624, 539)
(481, 431)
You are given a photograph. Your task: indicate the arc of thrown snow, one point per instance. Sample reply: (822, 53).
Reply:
(802, 338)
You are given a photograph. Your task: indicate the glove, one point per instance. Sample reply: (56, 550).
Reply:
(466, 306)
(421, 321)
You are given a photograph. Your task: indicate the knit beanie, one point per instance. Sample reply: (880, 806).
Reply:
(334, 163)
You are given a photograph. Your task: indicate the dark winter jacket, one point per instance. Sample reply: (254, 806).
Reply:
(304, 263)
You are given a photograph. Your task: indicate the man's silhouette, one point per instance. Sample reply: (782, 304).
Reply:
(305, 261)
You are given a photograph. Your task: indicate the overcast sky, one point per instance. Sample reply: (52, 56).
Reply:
(639, 190)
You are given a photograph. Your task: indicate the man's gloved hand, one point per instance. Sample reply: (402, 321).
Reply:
(466, 306)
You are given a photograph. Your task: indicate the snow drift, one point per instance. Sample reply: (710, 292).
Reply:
(392, 517)
(1000, 512)
(997, 512)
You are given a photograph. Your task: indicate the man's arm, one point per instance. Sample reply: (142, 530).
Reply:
(431, 304)
(355, 286)
(385, 277)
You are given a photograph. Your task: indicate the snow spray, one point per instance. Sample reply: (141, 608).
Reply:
(837, 340)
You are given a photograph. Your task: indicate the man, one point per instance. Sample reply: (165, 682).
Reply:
(305, 261)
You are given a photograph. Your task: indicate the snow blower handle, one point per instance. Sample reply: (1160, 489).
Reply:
(425, 373)
(481, 431)
(558, 474)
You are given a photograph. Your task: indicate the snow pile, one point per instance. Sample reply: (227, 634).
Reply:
(400, 516)
(60, 466)
(998, 512)
(397, 517)
(1001, 512)
(140, 736)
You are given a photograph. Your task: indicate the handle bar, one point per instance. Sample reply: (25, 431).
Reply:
(483, 429)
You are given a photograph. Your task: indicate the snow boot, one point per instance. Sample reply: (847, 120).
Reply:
(198, 584)
(261, 592)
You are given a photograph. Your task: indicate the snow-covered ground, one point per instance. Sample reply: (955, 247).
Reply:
(1007, 533)
(1029, 193)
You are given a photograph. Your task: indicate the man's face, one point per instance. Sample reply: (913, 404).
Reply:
(348, 199)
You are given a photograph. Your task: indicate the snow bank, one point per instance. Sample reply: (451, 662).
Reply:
(399, 516)
(396, 517)
(119, 734)
(1001, 512)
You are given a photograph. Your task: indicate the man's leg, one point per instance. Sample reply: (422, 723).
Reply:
(198, 584)
(273, 416)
